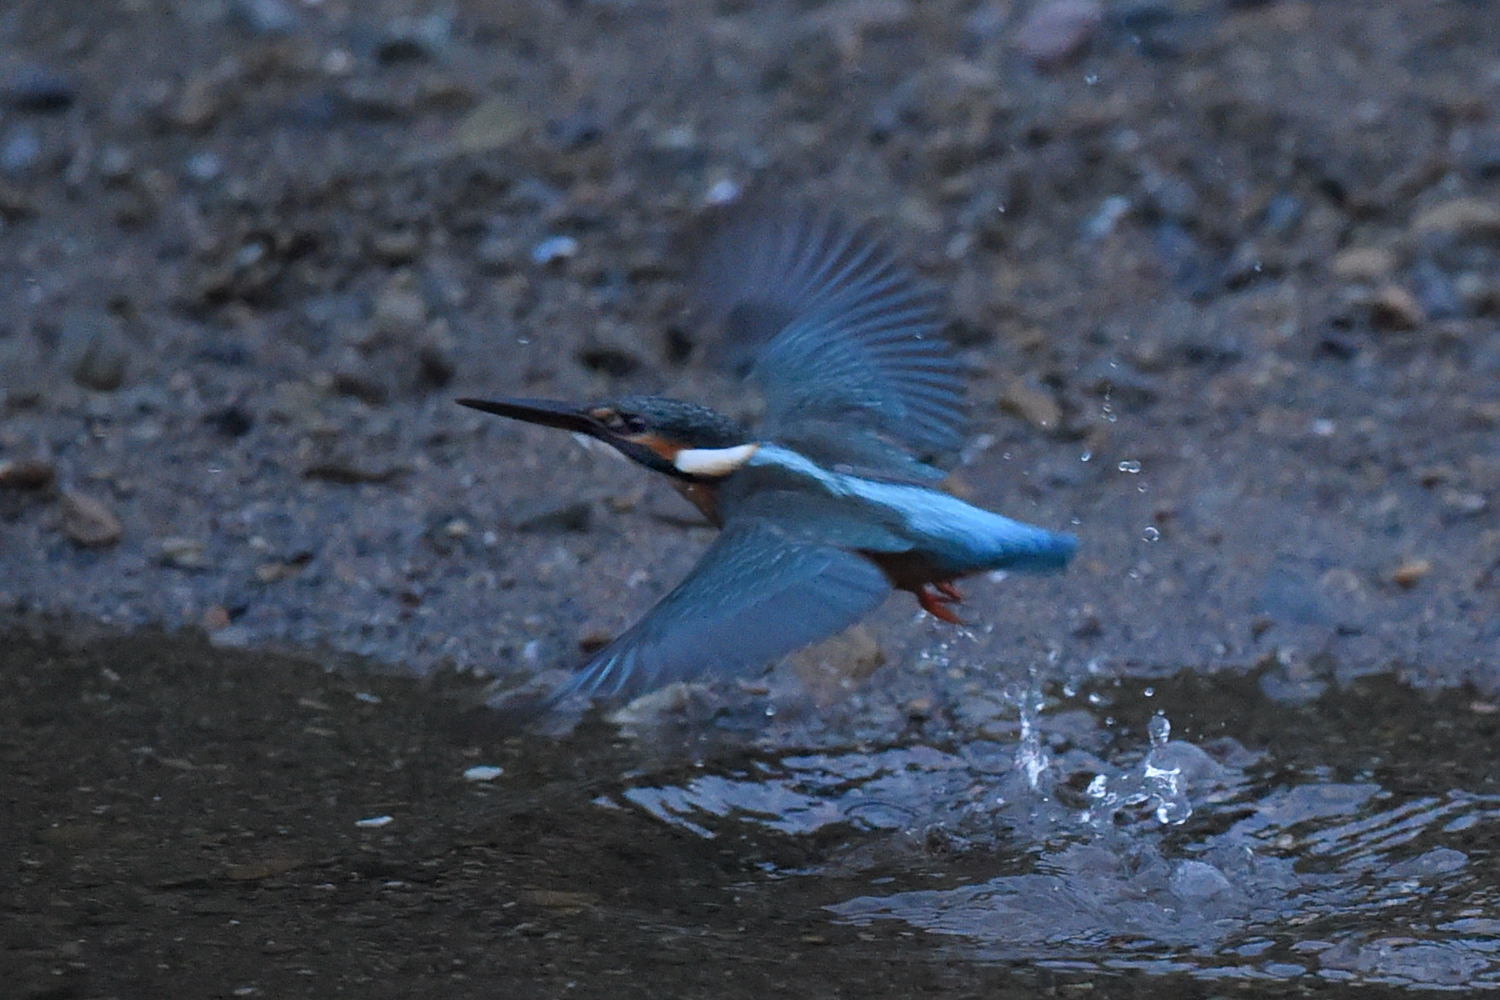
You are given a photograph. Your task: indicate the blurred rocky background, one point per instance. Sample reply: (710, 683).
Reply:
(1228, 274)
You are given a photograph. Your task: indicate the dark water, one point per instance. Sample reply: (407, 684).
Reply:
(190, 821)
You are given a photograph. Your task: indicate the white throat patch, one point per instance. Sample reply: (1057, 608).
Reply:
(714, 461)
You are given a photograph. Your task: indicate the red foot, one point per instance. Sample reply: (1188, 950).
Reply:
(935, 601)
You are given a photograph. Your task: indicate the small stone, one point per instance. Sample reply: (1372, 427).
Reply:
(1460, 217)
(361, 384)
(724, 191)
(396, 246)
(1395, 308)
(96, 352)
(435, 349)
(1461, 503)
(498, 253)
(1057, 31)
(265, 17)
(183, 553)
(576, 515)
(26, 474)
(20, 150)
(608, 359)
(408, 39)
(1369, 264)
(35, 88)
(1031, 402)
(554, 249)
(88, 522)
(495, 122)
(198, 105)
(116, 165)
(272, 572)
(400, 310)
(1411, 572)
(231, 421)
(214, 618)
(349, 472)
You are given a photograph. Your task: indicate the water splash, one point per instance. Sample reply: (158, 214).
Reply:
(1161, 775)
(1080, 833)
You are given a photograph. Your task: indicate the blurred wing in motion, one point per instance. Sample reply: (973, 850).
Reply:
(843, 341)
(756, 595)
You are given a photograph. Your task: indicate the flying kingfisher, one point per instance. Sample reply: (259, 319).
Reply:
(832, 501)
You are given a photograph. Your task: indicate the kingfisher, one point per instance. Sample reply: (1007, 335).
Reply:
(832, 501)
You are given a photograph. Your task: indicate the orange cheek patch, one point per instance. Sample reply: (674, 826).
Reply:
(666, 449)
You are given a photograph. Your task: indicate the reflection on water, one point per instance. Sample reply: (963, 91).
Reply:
(1366, 856)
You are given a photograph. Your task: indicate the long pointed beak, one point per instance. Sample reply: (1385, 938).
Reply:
(546, 412)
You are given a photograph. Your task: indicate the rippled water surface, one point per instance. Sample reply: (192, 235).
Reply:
(1348, 840)
(191, 821)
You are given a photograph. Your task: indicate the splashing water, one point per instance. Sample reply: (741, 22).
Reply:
(1161, 774)
(1112, 849)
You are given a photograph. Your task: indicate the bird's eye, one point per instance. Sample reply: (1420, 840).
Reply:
(620, 423)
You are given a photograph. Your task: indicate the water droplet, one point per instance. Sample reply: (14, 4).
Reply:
(1130, 465)
(1092, 79)
(1159, 729)
(1151, 533)
(1086, 456)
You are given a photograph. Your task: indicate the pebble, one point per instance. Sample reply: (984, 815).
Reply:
(20, 150)
(1462, 503)
(1363, 264)
(400, 310)
(26, 474)
(1411, 572)
(1058, 31)
(395, 246)
(576, 515)
(97, 352)
(36, 88)
(407, 39)
(1395, 308)
(349, 472)
(1435, 291)
(553, 249)
(497, 121)
(214, 618)
(183, 553)
(1460, 217)
(265, 17)
(1031, 402)
(198, 105)
(608, 359)
(88, 521)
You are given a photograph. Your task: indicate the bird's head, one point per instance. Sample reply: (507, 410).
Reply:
(683, 440)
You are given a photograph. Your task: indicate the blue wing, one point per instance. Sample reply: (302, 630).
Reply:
(844, 343)
(757, 594)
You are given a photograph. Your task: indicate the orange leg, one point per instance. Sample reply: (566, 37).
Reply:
(935, 601)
